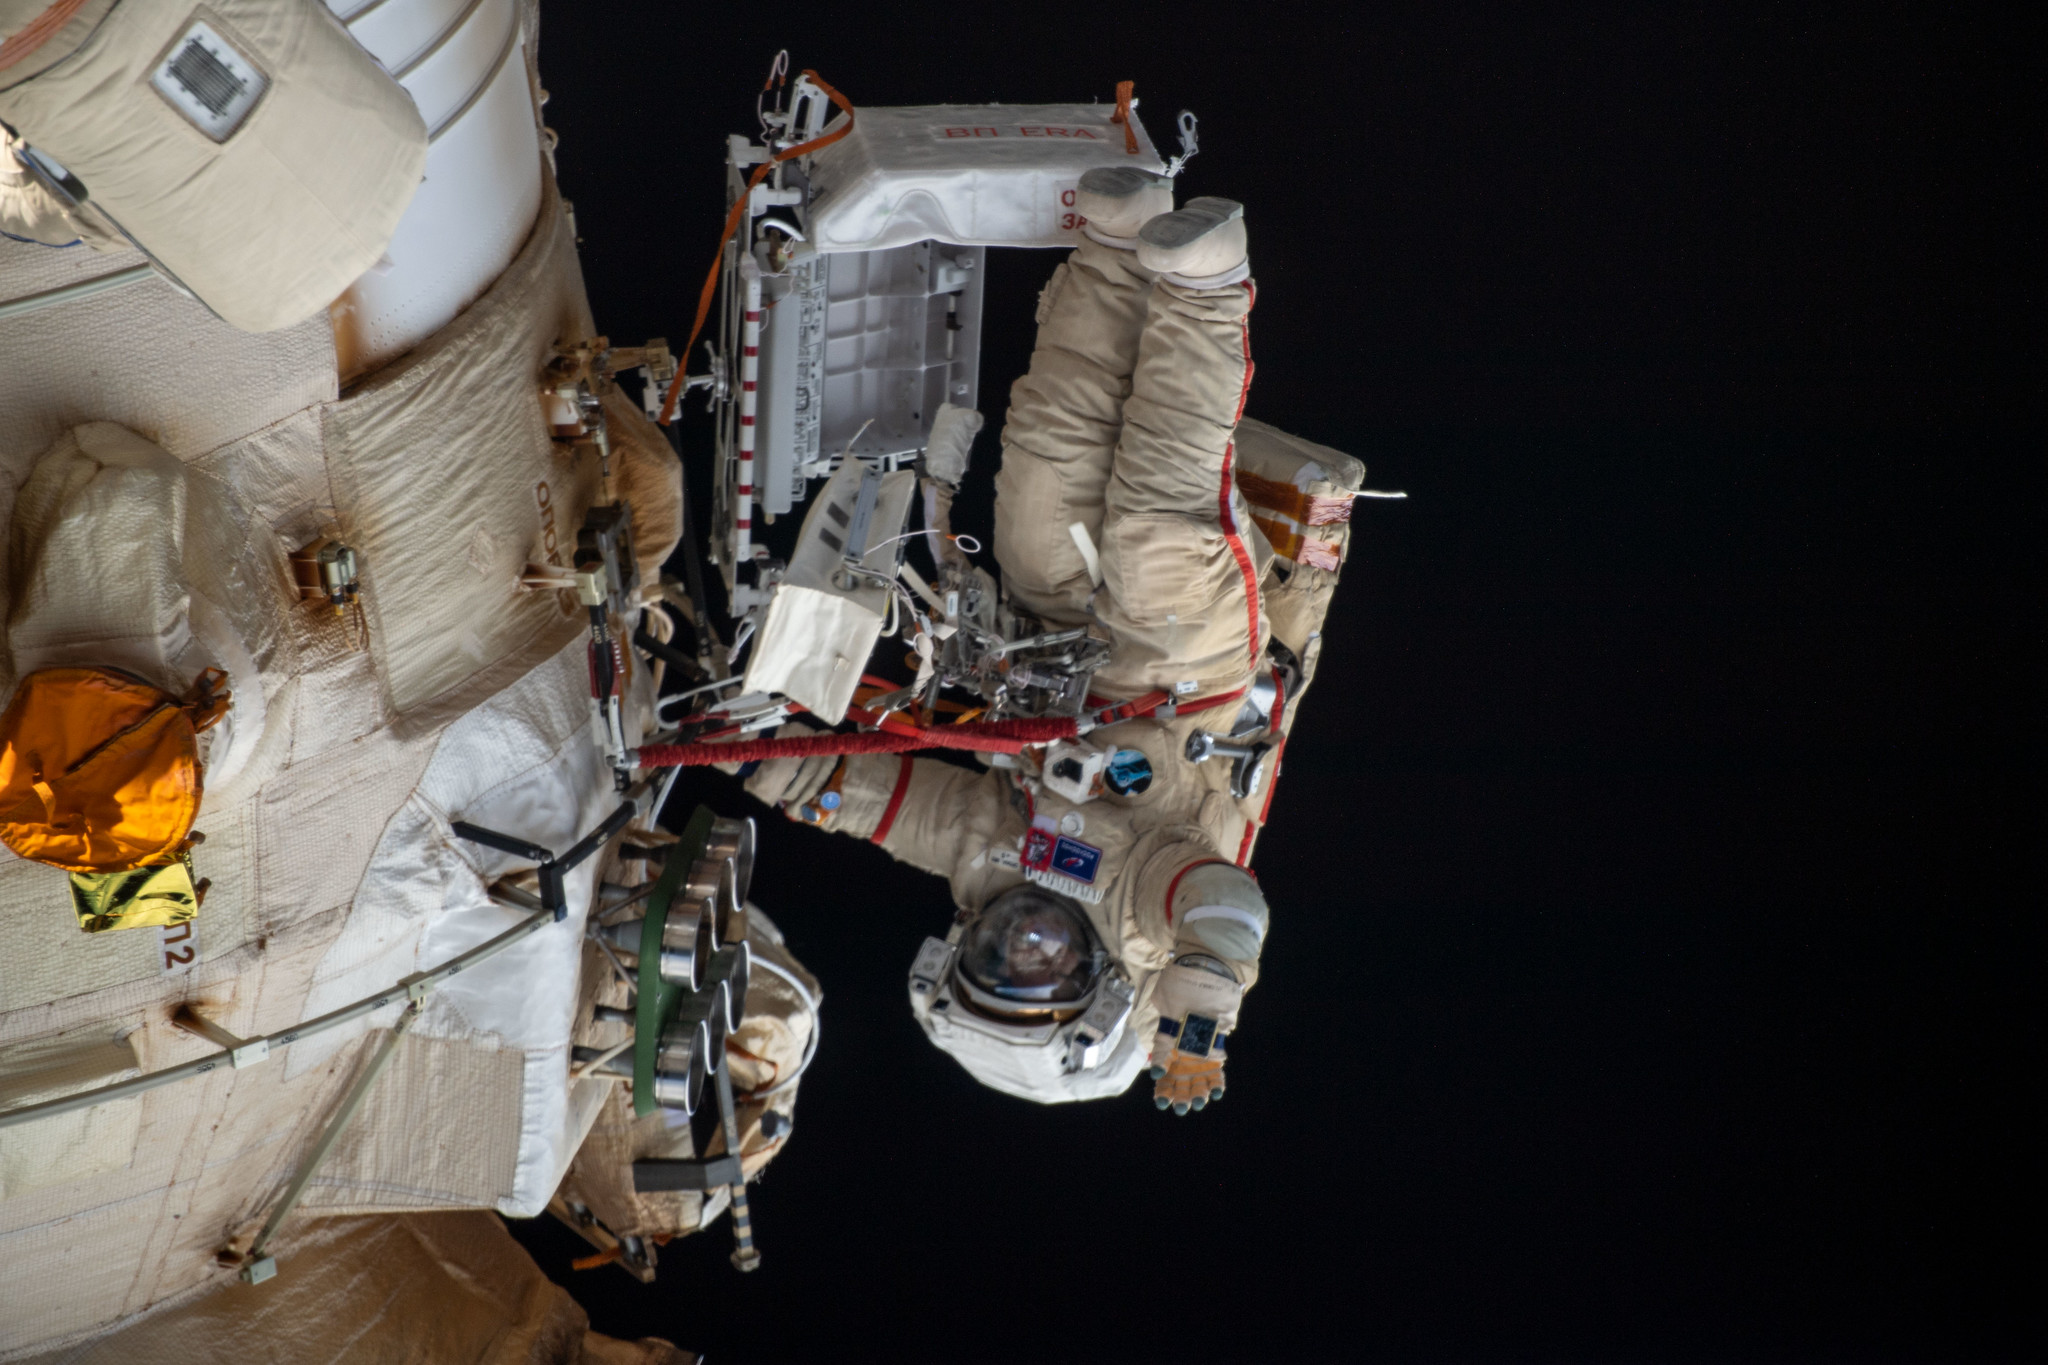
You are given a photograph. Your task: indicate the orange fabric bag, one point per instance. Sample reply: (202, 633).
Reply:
(99, 771)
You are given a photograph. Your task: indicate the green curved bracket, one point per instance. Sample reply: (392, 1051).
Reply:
(657, 1000)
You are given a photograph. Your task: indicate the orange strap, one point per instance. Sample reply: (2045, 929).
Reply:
(732, 223)
(37, 31)
(1123, 116)
(1290, 501)
(1291, 544)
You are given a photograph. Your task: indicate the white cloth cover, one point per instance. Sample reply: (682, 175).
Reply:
(818, 635)
(120, 557)
(970, 174)
(812, 649)
(525, 763)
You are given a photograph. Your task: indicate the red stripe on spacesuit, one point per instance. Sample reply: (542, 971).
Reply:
(1174, 885)
(1223, 513)
(1245, 334)
(1252, 827)
(895, 803)
(1240, 554)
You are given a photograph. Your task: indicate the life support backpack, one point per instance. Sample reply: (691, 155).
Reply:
(100, 775)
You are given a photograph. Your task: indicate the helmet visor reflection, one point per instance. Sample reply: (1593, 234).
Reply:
(1032, 947)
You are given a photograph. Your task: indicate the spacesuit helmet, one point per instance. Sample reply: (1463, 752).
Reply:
(1026, 998)
(1030, 954)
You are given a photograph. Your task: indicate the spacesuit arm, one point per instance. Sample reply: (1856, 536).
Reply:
(1187, 900)
(934, 816)
(1216, 919)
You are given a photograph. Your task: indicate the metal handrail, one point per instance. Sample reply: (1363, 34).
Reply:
(414, 987)
(82, 289)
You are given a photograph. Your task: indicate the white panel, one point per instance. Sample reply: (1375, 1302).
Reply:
(482, 190)
(453, 72)
(398, 32)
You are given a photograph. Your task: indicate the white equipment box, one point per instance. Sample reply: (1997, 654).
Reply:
(861, 266)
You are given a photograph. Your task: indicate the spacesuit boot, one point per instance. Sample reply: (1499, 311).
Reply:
(1198, 246)
(1115, 201)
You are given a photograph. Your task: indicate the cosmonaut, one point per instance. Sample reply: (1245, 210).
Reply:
(1097, 935)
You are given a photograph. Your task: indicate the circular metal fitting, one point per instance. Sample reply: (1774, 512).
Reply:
(714, 882)
(688, 941)
(734, 968)
(711, 1007)
(734, 840)
(682, 1066)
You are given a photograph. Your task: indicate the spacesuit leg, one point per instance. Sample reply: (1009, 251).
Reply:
(1179, 554)
(1065, 416)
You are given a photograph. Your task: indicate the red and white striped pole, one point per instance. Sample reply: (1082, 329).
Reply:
(750, 377)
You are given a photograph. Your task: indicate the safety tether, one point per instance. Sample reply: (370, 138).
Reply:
(899, 736)
(1123, 115)
(732, 223)
(1001, 736)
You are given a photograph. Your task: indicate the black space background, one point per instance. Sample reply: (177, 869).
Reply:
(1655, 975)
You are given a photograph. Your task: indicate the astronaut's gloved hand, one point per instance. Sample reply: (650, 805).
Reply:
(1197, 998)
(805, 789)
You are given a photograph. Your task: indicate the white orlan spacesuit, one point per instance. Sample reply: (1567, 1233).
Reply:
(1094, 932)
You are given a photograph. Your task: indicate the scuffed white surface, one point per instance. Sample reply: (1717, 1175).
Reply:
(969, 174)
(526, 763)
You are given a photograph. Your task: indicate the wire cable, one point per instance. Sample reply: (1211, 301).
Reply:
(810, 1047)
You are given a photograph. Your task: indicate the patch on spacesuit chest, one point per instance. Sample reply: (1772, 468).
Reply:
(1063, 864)
(1072, 858)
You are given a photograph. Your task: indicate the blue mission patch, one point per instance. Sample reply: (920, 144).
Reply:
(1072, 858)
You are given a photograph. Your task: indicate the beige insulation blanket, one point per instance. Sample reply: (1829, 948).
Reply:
(308, 185)
(156, 452)
(445, 1288)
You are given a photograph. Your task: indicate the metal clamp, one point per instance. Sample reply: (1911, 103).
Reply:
(1248, 761)
(551, 870)
(241, 1051)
